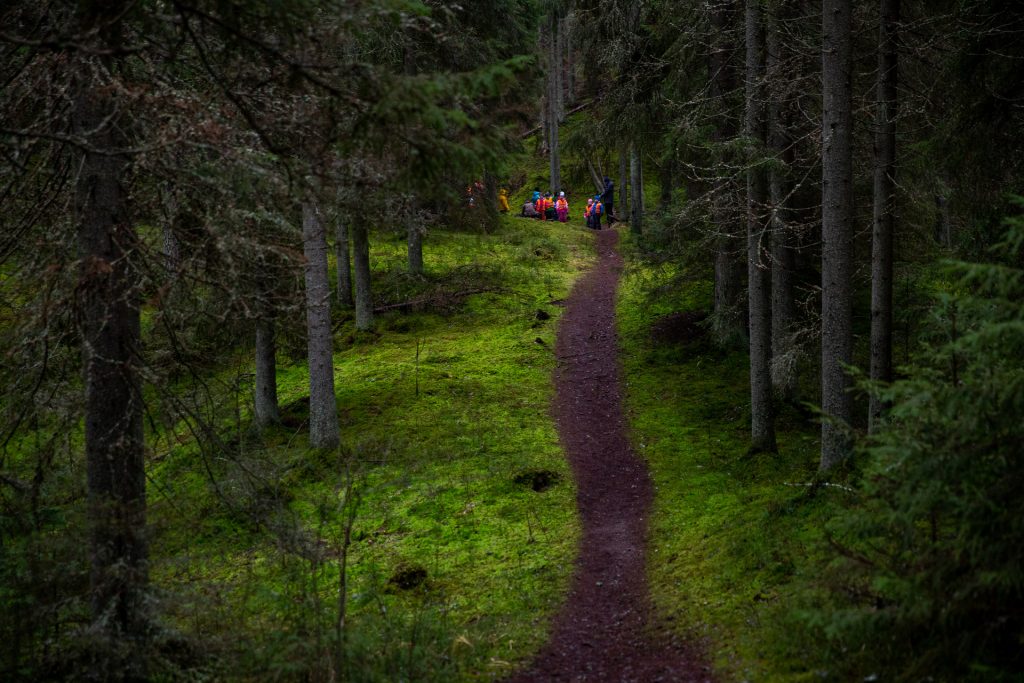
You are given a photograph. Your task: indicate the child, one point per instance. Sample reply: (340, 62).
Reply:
(562, 208)
(503, 200)
(588, 211)
(596, 212)
(549, 208)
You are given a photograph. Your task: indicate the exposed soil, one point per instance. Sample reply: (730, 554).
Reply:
(605, 631)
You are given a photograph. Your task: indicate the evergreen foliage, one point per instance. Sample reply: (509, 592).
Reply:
(931, 552)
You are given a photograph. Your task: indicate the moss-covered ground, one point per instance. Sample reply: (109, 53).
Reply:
(455, 563)
(731, 533)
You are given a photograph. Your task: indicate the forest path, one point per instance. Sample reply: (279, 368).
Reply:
(604, 631)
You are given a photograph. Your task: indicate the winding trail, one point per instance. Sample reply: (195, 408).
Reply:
(604, 631)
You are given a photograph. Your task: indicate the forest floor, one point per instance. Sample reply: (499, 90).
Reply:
(606, 630)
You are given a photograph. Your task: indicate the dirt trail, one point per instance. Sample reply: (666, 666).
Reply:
(604, 631)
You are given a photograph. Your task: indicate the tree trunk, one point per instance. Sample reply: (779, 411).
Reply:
(622, 207)
(636, 186)
(570, 61)
(171, 247)
(414, 235)
(884, 204)
(110, 331)
(728, 275)
(361, 261)
(836, 231)
(784, 313)
(343, 263)
(553, 100)
(558, 67)
(666, 179)
(323, 407)
(265, 402)
(759, 302)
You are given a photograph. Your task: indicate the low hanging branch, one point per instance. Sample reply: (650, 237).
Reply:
(535, 130)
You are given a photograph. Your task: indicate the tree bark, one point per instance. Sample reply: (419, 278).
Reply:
(836, 231)
(884, 205)
(553, 104)
(728, 278)
(323, 407)
(666, 179)
(171, 246)
(265, 402)
(784, 313)
(570, 61)
(762, 421)
(361, 261)
(621, 206)
(110, 330)
(343, 263)
(636, 186)
(414, 234)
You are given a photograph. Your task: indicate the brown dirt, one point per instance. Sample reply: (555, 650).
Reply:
(605, 631)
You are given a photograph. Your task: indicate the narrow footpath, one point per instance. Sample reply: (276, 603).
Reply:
(604, 631)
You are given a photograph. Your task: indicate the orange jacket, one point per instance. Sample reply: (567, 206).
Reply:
(561, 204)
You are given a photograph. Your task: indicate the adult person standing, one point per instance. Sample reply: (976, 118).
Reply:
(608, 199)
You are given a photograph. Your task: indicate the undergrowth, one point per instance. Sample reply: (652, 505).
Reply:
(422, 549)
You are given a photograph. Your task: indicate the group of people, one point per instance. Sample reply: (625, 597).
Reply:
(545, 206)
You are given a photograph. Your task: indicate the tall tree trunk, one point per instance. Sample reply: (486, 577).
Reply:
(570, 60)
(666, 180)
(836, 230)
(171, 247)
(323, 407)
(110, 330)
(361, 261)
(414, 233)
(343, 263)
(553, 100)
(558, 66)
(265, 401)
(636, 186)
(884, 204)
(759, 291)
(728, 273)
(784, 313)
(622, 207)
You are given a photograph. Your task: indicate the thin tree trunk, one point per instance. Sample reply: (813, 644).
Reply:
(265, 402)
(836, 231)
(558, 67)
(553, 104)
(784, 313)
(414, 234)
(759, 301)
(666, 179)
(622, 207)
(343, 263)
(884, 205)
(171, 246)
(728, 275)
(323, 407)
(570, 60)
(636, 186)
(361, 261)
(110, 331)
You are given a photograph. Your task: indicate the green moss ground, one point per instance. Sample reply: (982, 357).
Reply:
(731, 533)
(434, 471)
